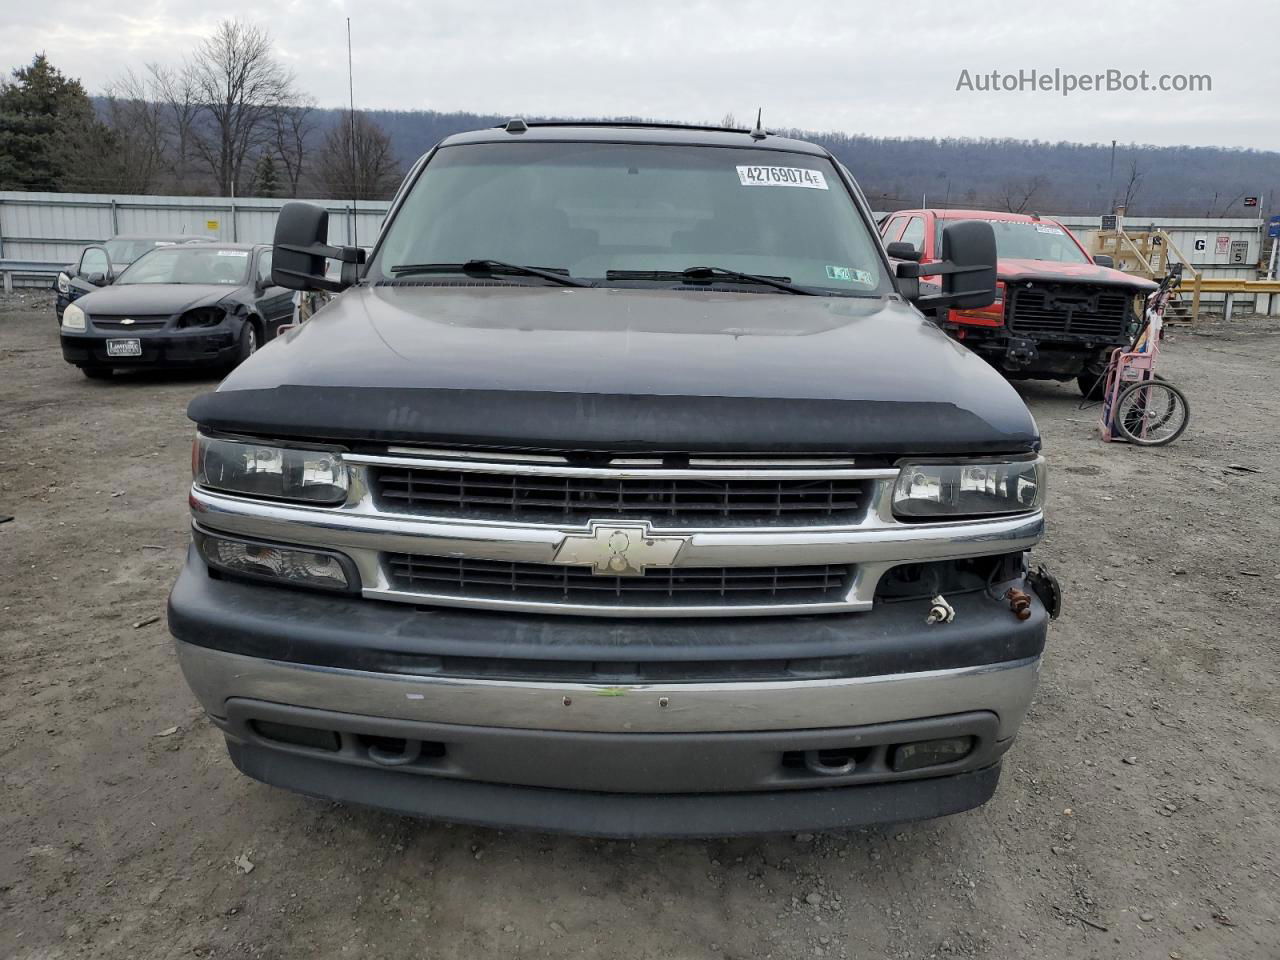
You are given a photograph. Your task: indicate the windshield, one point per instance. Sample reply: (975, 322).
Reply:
(194, 263)
(593, 208)
(1020, 240)
(127, 250)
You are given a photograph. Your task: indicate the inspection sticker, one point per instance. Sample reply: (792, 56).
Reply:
(849, 275)
(233, 253)
(782, 177)
(1045, 228)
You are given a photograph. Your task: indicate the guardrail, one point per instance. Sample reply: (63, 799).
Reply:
(28, 268)
(1257, 289)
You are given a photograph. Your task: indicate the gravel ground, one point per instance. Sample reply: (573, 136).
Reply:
(1137, 817)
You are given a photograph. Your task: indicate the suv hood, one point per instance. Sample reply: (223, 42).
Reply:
(1013, 270)
(622, 369)
(154, 298)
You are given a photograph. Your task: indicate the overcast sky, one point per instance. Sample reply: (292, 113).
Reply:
(882, 68)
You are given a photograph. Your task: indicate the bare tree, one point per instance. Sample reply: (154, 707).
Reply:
(140, 139)
(294, 128)
(175, 90)
(367, 172)
(1133, 185)
(1017, 194)
(238, 84)
(1221, 211)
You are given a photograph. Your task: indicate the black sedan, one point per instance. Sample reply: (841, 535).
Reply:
(100, 263)
(206, 304)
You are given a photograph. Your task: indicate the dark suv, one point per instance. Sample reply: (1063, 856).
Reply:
(620, 492)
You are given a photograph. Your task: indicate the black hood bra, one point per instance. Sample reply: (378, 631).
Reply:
(623, 369)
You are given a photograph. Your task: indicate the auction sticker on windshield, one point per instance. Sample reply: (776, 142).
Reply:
(782, 177)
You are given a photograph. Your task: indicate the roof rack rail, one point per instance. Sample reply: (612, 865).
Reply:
(522, 125)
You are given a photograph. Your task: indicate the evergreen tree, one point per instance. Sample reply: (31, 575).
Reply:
(265, 181)
(50, 138)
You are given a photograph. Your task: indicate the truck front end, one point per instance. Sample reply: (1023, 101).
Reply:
(623, 552)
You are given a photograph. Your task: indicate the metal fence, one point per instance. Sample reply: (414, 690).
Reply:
(42, 232)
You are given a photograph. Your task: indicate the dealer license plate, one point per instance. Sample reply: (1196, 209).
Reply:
(124, 348)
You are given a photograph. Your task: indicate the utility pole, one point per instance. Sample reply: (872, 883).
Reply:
(351, 94)
(1111, 181)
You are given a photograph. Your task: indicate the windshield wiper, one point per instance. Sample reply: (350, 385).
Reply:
(712, 273)
(491, 267)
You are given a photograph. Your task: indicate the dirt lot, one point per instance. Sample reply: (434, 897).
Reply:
(1139, 815)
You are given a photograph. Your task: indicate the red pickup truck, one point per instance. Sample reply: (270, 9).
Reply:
(1058, 311)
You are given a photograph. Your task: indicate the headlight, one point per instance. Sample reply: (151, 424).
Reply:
(926, 490)
(202, 317)
(64, 283)
(269, 561)
(73, 318)
(262, 470)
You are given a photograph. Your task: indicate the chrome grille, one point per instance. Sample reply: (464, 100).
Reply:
(1069, 310)
(469, 578)
(578, 497)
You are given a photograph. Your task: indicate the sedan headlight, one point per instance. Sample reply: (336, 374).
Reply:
(202, 317)
(928, 490)
(73, 318)
(64, 283)
(264, 470)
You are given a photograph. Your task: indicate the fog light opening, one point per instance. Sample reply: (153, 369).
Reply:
(905, 757)
(298, 736)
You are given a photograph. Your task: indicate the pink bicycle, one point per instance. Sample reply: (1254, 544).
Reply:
(1139, 405)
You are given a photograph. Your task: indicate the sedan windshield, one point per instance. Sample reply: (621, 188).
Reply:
(189, 264)
(129, 249)
(635, 215)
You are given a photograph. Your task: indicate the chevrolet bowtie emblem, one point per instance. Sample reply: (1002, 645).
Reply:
(127, 321)
(620, 549)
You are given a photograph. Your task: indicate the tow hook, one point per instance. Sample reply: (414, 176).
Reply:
(941, 611)
(1019, 603)
(1021, 352)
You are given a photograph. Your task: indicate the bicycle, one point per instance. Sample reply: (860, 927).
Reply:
(1140, 406)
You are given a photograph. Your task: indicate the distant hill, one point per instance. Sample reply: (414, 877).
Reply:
(1065, 178)
(1032, 175)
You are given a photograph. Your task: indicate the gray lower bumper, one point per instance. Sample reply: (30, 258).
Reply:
(619, 815)
(1004, 689)
(677, 759)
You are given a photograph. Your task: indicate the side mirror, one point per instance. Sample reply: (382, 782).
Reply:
(300, 248)
(967, 268)
(904, 251)
(1104, 260)
(96, 279)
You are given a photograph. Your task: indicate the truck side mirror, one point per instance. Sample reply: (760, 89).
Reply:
(967, 268)
(300, 248)
(904, 251)
(1104, 260)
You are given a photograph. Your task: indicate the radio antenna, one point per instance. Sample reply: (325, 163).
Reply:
(351, 101)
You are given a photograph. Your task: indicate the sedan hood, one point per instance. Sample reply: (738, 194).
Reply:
(153, 299)
(1014, 270)
(622, 369)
